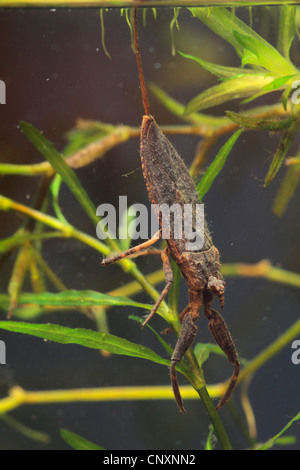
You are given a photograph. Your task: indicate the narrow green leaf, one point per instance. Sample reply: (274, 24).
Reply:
(77, 442)
(216, 166)
(181, 367)
(260, 124)
(83, 337)
(249, 58)
(103, 33)
(285, 95)
(286, 440)
(24, 312)
(210, 438)
(280, 154)
(55, 188)
(271, 442)
(287, 190)
(264, 55)
(233, 89)
(173, 22)
(83, 298)
(17, 278)
(287, 29)
(220, 71)
(203, 350)
(224, 23)
(278, 83)
(178, 109)
(76, 140)
(83, 136)
(254, 97)
(60, 166)
(165, 345)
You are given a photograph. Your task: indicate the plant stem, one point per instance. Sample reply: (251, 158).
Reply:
(26, 170)
(198, 382)
(68, 230)
(262, 269)
(202, 125)
(215, 418)
(18, 396)
(196, 377)
(270, 351)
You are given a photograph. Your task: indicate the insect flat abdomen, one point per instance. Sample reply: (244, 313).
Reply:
(164, 168)
(167, 178)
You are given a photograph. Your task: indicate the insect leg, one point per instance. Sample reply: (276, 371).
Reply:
(186, 337)
(169, 279)
(145, 252)
(132, 251)
(220, 332)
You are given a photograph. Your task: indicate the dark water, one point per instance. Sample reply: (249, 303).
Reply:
(55, 71)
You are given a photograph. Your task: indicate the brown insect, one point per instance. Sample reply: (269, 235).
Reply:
(168, 181)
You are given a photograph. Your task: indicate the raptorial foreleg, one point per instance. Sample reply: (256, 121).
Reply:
(185, 339)
(221, 334)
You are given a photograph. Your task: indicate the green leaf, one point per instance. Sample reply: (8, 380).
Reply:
(173, 22)
(60, 166)
(71, 298)
(178, 109)
(220, 71)
(285, 95)
(165, 345)
(280, 154)
(18, 276)
(85, 134)
(286, 441)
(25, 312)
(264, 55)
(249, 58)
(203, 350)
(77, 442)
(233, 89)
(83, 337)
(181, 367)
(271, 442)
(216, 166)
(260, 124)
(210, 439)
(254, 97)
(287, 190)
(277, 83)
(287, 29)
(224, 23)
(55, 188)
